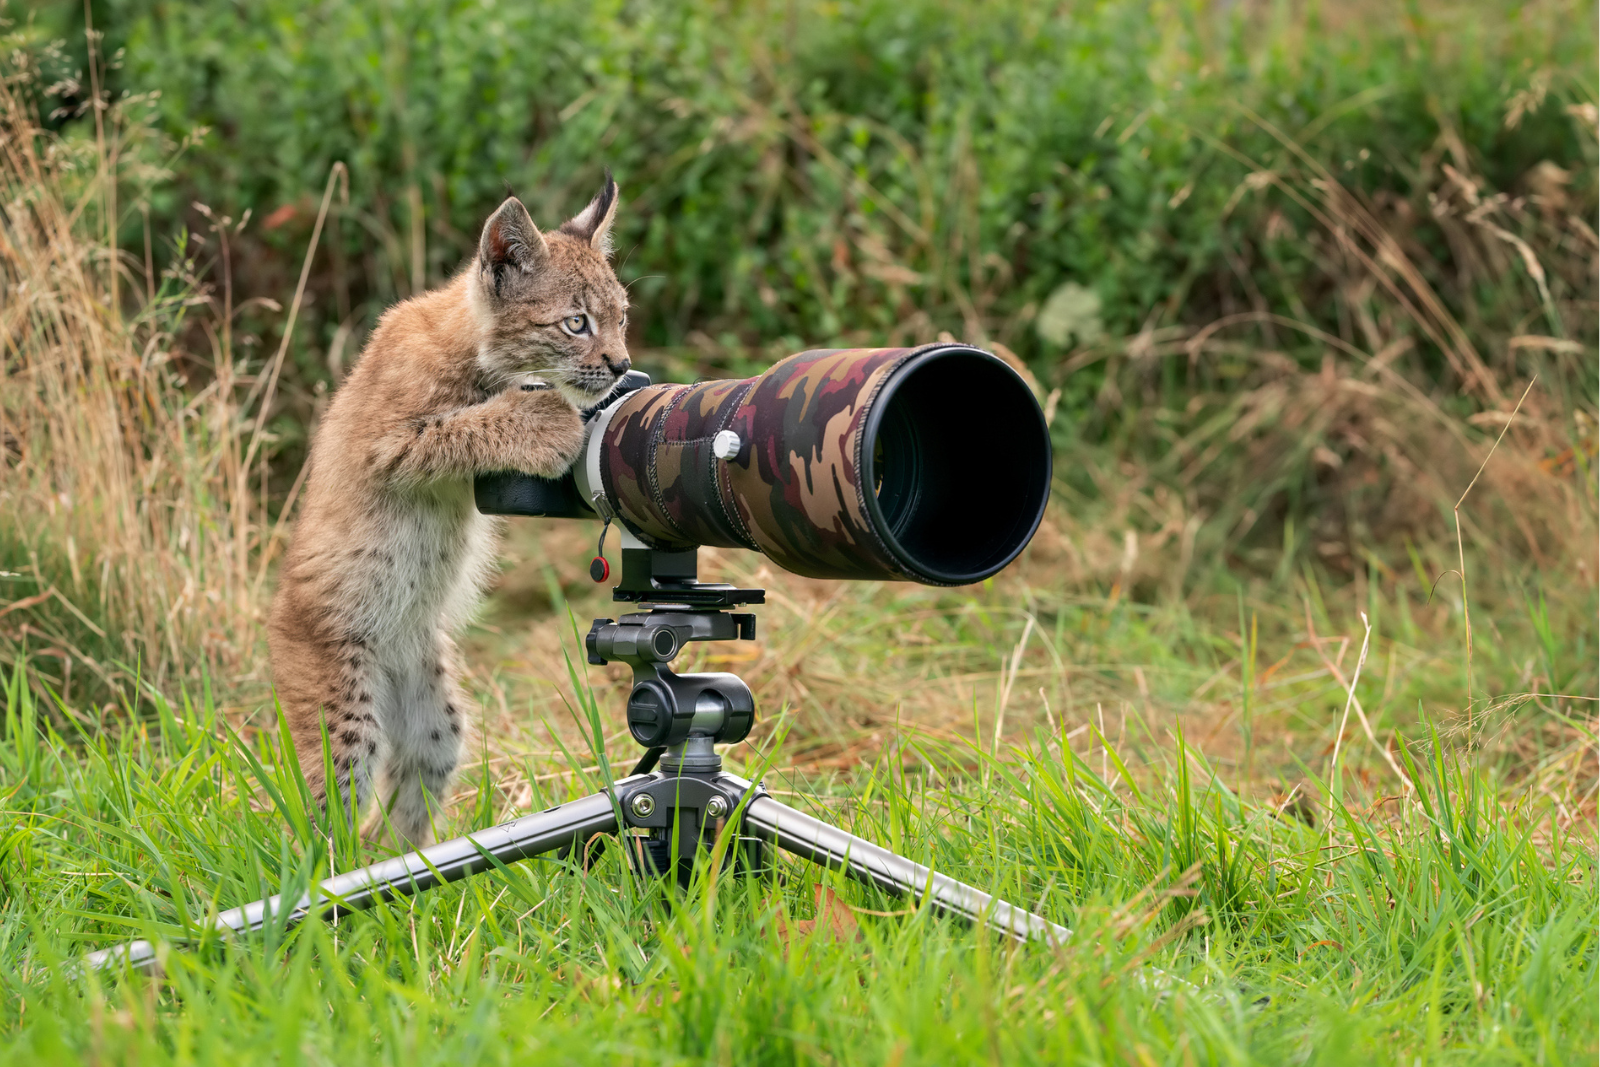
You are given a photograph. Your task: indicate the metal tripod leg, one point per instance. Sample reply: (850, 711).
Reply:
(693, 803)
(685, 802)
(795, 831)
(559, 827)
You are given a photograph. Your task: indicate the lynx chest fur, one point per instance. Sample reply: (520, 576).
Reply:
(389, 554)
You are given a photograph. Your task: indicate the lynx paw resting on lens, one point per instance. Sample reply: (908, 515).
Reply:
(389, 554)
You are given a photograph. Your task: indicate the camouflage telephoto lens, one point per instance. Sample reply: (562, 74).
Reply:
(927, 464)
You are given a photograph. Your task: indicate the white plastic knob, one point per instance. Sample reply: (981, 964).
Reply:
(726, 445)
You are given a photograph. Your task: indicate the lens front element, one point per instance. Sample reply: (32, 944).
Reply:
(961, 462)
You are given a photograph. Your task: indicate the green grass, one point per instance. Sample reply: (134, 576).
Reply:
(1453, 925)
(1259, 436)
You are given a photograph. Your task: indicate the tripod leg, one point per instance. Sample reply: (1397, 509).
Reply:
(448, 861)
(794, 831)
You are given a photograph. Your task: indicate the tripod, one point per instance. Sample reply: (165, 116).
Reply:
(674, 804)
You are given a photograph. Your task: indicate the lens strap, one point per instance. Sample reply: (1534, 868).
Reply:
(599, 569)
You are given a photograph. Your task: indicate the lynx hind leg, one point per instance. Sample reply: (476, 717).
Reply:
(344, 708)
(353, 752)
(425, 748)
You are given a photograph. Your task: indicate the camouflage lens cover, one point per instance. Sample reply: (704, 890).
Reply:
(793, 491)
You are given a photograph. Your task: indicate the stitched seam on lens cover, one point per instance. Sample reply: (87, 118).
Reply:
(653, 472)
(732, 520)
(735, 522)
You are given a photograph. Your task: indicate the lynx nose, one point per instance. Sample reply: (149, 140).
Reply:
(619, 368)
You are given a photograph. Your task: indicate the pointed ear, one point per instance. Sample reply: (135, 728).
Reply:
(593, 223)
(510, 242)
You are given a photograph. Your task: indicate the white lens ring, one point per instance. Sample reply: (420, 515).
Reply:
(586, 472)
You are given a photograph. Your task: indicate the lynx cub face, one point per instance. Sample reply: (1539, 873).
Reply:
(551, 306)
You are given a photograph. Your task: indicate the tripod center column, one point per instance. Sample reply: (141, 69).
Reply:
(694, 755)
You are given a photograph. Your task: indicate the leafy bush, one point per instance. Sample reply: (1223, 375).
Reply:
(1285, 273)
(871, 171)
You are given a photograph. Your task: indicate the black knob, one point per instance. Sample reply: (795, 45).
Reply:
(653, 715)
(591, 642)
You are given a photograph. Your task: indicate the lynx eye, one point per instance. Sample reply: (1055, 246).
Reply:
(577, 325)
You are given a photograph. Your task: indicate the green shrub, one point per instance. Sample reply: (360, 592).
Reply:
(803, 173)
(1289, 268)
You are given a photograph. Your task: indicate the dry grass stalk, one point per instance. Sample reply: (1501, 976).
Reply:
(127, 515)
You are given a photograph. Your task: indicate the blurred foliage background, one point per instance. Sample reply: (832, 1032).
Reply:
(1280, 270)
(806, 173)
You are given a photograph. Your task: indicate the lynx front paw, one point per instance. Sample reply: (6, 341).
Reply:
(554, 432)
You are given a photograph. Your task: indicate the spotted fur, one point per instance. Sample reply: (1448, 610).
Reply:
(389, 554)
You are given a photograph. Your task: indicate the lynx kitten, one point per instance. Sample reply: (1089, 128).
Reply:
(389, 553)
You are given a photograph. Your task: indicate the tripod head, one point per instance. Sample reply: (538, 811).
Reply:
(680, 715)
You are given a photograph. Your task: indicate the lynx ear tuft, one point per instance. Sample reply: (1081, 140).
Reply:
(510, 242)
(593, 223)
